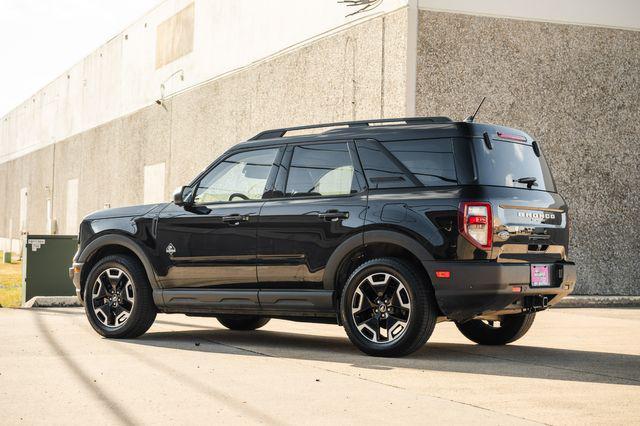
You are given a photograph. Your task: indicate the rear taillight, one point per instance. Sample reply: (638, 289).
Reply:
(476, 224)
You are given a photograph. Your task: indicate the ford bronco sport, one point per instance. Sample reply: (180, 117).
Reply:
(385, 227)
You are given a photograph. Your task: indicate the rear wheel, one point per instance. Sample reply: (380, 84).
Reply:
(242, 322)
(118, 298)
(508, 329)
(388, 308)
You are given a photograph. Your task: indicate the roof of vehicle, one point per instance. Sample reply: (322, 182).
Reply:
(381, 130)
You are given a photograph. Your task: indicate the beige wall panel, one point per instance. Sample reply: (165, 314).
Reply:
(174, 36)
(577, 90)
(68, 166)
(34, 172)
(5, 207)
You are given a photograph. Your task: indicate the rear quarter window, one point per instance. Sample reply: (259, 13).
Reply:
(431, 161)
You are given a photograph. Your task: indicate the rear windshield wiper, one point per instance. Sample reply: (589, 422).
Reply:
(530, 181)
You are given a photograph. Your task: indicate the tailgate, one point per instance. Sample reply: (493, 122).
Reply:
(529, 226)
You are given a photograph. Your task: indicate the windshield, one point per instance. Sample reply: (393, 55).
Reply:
(508, 162)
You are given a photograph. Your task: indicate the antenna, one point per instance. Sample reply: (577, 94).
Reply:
(470, 118)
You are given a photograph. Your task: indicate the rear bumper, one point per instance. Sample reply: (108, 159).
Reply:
(482, 288)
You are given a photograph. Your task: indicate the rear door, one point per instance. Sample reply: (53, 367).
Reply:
(318, 203)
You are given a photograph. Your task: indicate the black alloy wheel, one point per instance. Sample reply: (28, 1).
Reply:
(388, 307)
(118, 299)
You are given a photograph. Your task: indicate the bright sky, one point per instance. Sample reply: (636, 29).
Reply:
(40, 39)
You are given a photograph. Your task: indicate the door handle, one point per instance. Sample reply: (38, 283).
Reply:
(333, 215)
(235, 219)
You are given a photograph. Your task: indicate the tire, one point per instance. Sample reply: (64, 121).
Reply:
(242, 322)
(512, 327)
(133, 292)
(409, 304)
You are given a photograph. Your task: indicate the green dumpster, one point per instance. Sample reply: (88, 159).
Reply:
(45, 266)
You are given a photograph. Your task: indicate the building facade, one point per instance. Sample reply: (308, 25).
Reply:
(148, 110)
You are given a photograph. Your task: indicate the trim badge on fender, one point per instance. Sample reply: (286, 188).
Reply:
(170, 249)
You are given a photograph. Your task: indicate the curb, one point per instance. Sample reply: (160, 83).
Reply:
(599, 302)
(52, 302)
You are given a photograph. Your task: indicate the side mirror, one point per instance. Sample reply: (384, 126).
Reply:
(183, 196)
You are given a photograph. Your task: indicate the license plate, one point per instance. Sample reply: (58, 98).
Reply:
(540, 276)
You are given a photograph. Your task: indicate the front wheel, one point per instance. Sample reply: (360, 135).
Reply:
(242, 322)
(508, 329)
(118, 299)
(387, 308)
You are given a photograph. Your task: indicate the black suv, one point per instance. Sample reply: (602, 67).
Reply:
(384, 226)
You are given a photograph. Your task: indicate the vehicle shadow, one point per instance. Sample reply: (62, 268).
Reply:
(513, 360)
(510, 361)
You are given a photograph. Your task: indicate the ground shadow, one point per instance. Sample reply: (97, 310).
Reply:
(511, 361)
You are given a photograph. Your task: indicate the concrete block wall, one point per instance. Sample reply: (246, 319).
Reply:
(574, 88)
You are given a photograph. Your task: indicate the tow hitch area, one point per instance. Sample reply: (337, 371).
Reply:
(535, 303)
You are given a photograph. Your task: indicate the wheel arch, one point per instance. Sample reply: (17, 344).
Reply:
(371, 244)
(109, 245)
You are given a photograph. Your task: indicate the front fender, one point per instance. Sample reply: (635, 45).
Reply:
(119, 240)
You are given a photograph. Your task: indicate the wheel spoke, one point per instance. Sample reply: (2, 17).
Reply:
(363, 315)
(121, 282)
(390, 290)
(104, 280)
(369, 292)
(127, 305)
(401, 313)
(99, 302)
(120, 315)
(110, 316)
(373, 324)
(114, 276)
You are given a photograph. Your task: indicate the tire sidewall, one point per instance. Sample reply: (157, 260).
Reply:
(418, 306)
(126, 265)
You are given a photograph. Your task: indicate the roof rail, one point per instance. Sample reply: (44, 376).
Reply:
(279, 133)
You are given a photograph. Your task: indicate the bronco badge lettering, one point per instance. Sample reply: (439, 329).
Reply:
(536, 215)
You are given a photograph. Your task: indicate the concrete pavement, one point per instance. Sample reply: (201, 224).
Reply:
(575, 366)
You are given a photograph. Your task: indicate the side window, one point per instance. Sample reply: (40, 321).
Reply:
(379, 170)
(321, 169)
(429, 160)
(241, 176)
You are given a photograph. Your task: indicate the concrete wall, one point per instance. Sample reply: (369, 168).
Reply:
(124, 75)
(577, 90)
(359, 72)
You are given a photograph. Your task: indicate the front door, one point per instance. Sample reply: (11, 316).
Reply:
(212, 244)
(318, 204)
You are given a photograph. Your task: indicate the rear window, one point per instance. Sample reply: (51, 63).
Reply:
(509, 161)
(431, 161)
